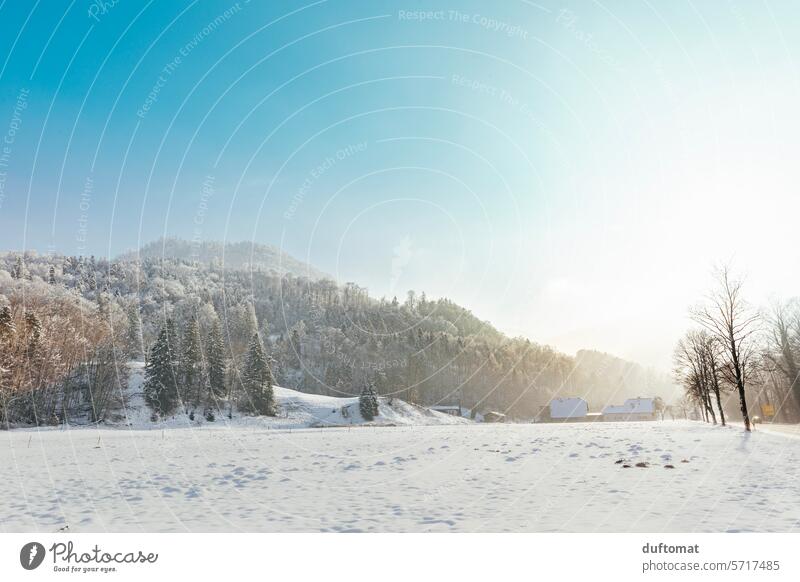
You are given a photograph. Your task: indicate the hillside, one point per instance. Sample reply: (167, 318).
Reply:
(75, 322)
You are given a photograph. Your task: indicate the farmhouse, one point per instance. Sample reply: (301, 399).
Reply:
(568, 409)
(633, 409)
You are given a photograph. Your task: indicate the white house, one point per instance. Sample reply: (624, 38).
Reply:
(568, 409)
(633, 409)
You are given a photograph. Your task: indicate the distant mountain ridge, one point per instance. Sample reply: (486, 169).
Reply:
(228, 255)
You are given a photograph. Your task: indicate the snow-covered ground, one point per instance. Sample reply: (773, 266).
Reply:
(471, 477)
(295, 410)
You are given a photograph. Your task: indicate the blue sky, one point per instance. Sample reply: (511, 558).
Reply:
(569, 171)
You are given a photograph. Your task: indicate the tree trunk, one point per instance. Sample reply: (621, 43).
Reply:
(737, 369)
(719, 405)
(715, 380)
(710, 407)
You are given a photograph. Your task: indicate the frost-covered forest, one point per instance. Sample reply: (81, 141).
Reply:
(214, 321)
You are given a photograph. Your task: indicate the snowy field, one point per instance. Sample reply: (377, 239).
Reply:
(472, 477)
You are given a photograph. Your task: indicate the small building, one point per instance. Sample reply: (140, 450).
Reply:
(494, 417)
(633, 409)
(566, 409)
(454, 410)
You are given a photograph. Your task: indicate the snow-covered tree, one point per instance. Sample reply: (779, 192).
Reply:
(373, 400)
(18, 272)
(216, 361)
(133, 336)
(161, 388)
(368, 402)
(191, 365)
(259, 397)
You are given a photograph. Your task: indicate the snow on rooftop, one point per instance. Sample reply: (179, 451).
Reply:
(568, 408)
(632, 406)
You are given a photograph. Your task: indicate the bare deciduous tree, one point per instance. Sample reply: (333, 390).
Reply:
(697, 368)
(731, 322)
(783, 349)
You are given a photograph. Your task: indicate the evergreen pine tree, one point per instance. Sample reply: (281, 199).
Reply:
(373, 401)
(160, 388)
(133, 336)
(365, 404)
(216, 361)
(257, 380)
(191, 364)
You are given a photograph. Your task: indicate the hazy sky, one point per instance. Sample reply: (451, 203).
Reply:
(568, 171)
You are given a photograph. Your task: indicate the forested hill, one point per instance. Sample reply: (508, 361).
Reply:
(238, 255)
(73, 322)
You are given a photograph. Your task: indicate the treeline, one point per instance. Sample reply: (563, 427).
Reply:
(740, 361)
(215, 340)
